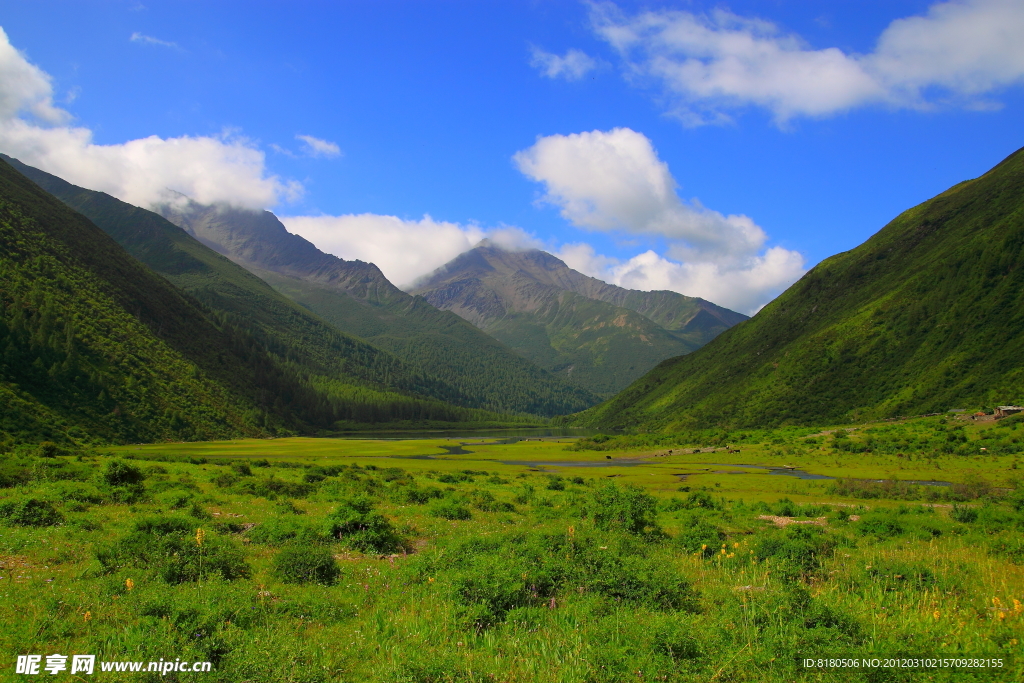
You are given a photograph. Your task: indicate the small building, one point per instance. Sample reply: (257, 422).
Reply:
(1004, 411)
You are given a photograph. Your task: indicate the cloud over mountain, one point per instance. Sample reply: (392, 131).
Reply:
(614, 181)
(227, 168)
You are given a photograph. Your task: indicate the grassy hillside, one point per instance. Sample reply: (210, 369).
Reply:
(595, 335)
(356, 297)
(925, 316)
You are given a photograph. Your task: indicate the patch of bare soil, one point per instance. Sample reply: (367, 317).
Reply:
(786, 521)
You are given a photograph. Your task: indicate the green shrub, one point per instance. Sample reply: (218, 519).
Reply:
(130, 493)
(700, 499)
(169, 547)
(241, 469)
(699, 535)
(627, 508)
(800, 547)
(880, 525)
(278, 531)
(555, 483)
(417, 496)
(121, 473)
(30, 512)
(306, 564)
(77, 492)
(447, 508)
(224, 480)
(491, 577)
(964, 515)
(360, 526)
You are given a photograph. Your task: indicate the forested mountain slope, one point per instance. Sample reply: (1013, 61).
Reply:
(95, 345)
(356, 298)
(600, 336)
(240, 298)
(925, 316)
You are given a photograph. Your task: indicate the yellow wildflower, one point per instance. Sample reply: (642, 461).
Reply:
(936, 614)
(200, 535)
(87, 616)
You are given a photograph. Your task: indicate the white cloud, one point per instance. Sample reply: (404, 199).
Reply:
(150, 40)
(404, 250)
(614, 181)
(572, 67)
(744, 286)
(315, 147)
(713, 63)
(210, 169)
(24, 87)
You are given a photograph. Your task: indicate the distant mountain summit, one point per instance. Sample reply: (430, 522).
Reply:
(356, 297)
(600, 336)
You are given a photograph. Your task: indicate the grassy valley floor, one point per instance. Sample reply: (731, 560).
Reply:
(552, 559)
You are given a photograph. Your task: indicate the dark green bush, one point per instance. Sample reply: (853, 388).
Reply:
(448, 508)
(241, 469)
(360, 526)
(224, 480)
(555, 483)
(964, 515)
(77, 492)
(880, 525)
(627, 508)
(419, 496)
(699, 535)
(493, 576)
(121, 473)
(801, 548)
(701, 499)
(30, 512)
(278, 531)
(169, 547)
(306, 564)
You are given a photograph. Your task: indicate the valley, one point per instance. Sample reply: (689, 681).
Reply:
(544, 558)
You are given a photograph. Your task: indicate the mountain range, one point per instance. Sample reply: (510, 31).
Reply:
(927, 315)
(597, 335)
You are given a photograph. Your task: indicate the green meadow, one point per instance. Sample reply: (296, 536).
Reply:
(691, 557)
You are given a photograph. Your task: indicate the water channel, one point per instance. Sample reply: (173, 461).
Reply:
(540, 465)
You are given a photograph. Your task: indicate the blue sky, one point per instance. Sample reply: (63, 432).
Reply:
(718, 150)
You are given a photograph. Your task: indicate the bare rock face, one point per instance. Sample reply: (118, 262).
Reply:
(600, 336)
